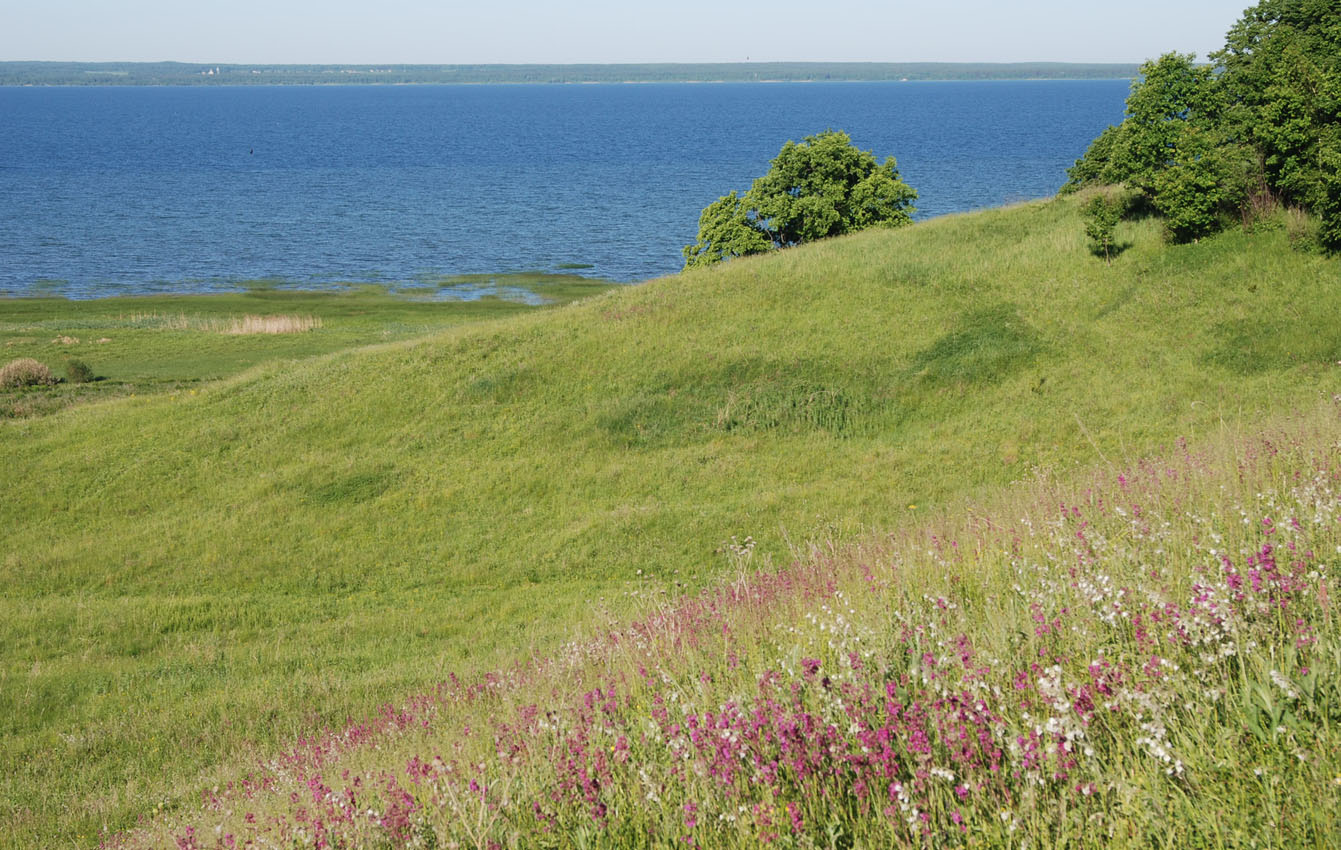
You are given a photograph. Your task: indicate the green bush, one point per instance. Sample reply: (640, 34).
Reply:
(78, 372)
(25, 372)
(1102, 215)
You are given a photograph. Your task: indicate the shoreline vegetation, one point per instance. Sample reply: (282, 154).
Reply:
(144, 345)
(201, 74)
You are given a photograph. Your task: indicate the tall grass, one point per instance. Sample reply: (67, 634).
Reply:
(225, 325)
(1080, 662)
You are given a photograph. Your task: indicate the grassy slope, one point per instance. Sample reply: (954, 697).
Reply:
(186, 575)
(1161, 650)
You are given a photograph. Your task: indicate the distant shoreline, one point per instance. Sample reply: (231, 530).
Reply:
(200, 74)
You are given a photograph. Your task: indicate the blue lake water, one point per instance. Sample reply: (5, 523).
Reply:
(132, 190)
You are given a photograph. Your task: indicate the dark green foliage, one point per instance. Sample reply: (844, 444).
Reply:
(1172, 99)
(1195, 190)
(986, 346)
(1267, 114)
(1282, 74)
(1170, 147)
(1104, 163)
(794, 407)
(1174, 102)
(1329, 208)
(1102, 215)
(821, 187)
(725, 230)
(78, 372)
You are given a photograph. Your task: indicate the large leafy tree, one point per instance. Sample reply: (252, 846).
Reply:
(1267, 114)
(1282, 77)
(820, 187)
(1171, 147)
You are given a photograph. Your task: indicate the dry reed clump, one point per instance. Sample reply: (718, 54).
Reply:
(272, 325)
(25, 372)
(236, 327)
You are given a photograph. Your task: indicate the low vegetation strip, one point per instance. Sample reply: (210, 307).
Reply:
(248, 324)
(187, 74)
(161, 344)
(1076, 664)
(272, 325)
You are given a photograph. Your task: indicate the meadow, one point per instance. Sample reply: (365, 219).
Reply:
(194, 582)
(1132, 657)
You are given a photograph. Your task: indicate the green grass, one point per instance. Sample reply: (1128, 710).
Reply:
(1074, 662)
(193, 579)
(163, 343)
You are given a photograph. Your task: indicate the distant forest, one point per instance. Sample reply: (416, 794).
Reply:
(188, 74)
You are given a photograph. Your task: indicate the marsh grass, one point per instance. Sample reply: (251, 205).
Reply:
(325, 527)
(156, 345)
(272, 325)
(222, 325)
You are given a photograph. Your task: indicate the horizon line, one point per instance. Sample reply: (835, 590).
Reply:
(221, 63)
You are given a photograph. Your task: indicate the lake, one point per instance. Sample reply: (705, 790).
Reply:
(107, 190)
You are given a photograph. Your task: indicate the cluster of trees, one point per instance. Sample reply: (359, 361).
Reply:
(1259, 126)
(820, 187)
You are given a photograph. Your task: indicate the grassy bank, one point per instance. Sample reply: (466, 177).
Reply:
(193, 579)
(1079, 663)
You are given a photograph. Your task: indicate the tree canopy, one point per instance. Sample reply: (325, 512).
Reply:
(820, 187)
(1264, 119)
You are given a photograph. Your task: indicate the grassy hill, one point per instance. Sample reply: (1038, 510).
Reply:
(192, 579)
(1072, 662)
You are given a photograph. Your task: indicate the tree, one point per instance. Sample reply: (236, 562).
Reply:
(726, 229)
(1102, 214)
(1204, 181)
(1282, 74)
(820, 187)
(1172, 98)
(1267, 114)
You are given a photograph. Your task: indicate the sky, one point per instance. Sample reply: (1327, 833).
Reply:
(535, 31)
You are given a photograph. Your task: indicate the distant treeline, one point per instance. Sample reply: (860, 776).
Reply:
(183, 74)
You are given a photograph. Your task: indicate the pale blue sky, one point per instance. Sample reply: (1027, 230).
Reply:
(421, 31)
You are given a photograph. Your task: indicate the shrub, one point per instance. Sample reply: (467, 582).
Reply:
(78, 372)
(1102, 215)
(25, 372)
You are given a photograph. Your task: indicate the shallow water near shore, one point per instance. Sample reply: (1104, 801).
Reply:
(113, 191)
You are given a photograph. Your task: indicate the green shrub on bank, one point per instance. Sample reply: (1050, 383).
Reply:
(78, 372)
(1102, 215)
